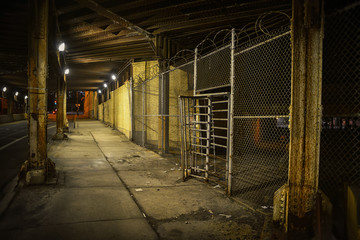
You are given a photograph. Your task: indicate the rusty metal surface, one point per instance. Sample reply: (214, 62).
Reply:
(305, 111)
(37, 75)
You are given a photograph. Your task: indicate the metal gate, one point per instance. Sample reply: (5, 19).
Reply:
(205, 129)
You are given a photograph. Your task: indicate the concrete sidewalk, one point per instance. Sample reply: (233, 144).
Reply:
(111, 188)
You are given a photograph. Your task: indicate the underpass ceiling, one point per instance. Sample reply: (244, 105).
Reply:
(102, 35)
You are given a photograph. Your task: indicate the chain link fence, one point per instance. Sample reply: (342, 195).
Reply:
(261, 101)
(156, 107)
(340, 135)
(262, 94)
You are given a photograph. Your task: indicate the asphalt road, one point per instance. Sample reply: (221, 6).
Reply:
(14, 148)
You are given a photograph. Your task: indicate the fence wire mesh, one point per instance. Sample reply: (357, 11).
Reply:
(213, 70)
(262, 87)
(262, 97)
(340, 136)
(156, 107)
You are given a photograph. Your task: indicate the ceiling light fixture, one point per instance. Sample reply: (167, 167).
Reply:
(62, 47)
(113, 77)
(99, 91)
(105, 85)
(4, 89)
(17, 93)
(26, 97)
(67, 71)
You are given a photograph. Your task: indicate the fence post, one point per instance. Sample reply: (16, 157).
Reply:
(231, 102)
(161, 106)
(305, 115)
(143, 114)
(131, 100)
(195, 70)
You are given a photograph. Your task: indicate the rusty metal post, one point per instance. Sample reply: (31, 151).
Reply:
(66, 122)
(60, 109)
(305, 115)
(38, 167)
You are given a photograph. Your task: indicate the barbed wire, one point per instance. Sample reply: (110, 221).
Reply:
(215, 40)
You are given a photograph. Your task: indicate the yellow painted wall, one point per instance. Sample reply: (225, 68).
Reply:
(120, 113)
(152, 106)
(178, 86)
(122, 109)
(151, 101)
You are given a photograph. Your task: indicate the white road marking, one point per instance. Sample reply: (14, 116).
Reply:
(16, 140)
(11, 143)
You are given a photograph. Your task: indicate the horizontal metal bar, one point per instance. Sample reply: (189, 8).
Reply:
(212, 94)
(195, 122)
(262, 43)
(202, 154)
(220, 128)
(214, 52)
(212, 88)
(220, 110)
(254, 117)
(217, 136)
(223, 101)
(200, 106)
(202, 114)
(219, 145)
(198, 169)
(219, 119)
(193, 175)
(177, 68)
(201, 138)
(197, 145)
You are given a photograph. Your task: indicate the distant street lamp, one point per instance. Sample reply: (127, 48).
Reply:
(67, 71)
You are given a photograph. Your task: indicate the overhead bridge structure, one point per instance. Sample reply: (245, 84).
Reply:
(259, 98)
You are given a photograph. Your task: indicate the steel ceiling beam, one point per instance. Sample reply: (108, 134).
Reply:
(112, 16)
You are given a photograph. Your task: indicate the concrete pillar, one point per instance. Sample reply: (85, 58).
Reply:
(305, 116)
(38, 167)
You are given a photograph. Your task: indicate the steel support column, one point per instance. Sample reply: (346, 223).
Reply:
(38, 166)
(305, 116)
(66, 122)
(60, 119)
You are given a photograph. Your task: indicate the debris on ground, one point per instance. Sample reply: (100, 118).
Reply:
(224, 215)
